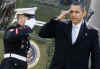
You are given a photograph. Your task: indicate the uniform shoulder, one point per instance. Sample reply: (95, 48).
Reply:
(10, 28)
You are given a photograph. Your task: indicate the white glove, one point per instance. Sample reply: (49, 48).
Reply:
(31, 23)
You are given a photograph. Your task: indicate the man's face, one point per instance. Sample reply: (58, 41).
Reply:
(21, 20)
(76, 14)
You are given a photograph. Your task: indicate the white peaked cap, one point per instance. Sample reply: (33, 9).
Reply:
(30, 11)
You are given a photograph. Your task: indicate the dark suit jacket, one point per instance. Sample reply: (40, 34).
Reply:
(68, 55)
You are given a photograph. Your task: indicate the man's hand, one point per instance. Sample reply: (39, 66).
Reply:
(62, 15)
(30, 23)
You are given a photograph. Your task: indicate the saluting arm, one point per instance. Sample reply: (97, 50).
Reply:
(49, 29)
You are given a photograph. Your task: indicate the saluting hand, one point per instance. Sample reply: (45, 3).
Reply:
(62, 15)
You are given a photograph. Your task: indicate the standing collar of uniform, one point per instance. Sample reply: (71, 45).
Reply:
(17, 25)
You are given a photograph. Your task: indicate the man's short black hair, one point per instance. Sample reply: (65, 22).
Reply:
(78, 3)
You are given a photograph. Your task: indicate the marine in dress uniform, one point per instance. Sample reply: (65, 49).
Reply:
(16, 42)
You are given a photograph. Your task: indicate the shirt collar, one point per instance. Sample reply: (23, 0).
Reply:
(77, 25)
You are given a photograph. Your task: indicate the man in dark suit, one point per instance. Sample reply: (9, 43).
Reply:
(74, 41)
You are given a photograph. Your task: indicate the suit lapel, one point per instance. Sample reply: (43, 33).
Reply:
(82, 33)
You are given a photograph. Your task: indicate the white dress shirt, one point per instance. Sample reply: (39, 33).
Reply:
(75, 31)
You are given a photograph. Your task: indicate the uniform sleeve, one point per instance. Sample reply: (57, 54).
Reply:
(95, 52)
(49, 29)
(17, 33)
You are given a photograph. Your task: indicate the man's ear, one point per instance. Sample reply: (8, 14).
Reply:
(84, 13)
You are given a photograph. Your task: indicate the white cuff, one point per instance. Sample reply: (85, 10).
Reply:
(31, 22)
